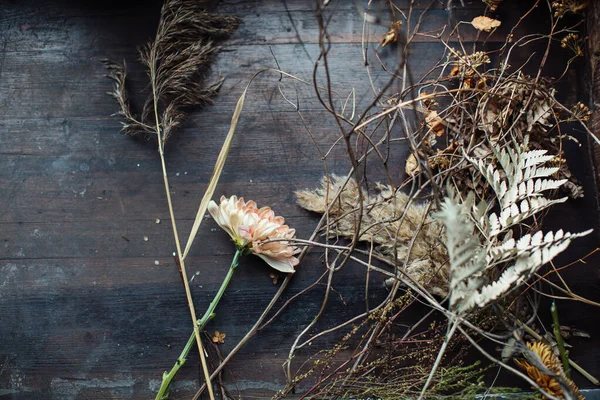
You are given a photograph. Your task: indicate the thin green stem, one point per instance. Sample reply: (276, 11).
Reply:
(208, 315)
(564, 354)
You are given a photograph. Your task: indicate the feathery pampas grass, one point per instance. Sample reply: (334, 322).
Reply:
(382, 224)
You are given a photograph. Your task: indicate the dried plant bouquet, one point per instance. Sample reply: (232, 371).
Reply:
(460, 232)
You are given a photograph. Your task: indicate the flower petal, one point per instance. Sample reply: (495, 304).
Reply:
(280, 264)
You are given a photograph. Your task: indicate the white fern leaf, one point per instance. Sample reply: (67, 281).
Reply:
(525, 207)
(501, 252)
(508, 160)
(534, 157)
(539, 172)
(494, 225)
(533, 252)
(538, 237)
(464, 250)
(530, 188)
(491, 174)
(502, 189)
(513, 215)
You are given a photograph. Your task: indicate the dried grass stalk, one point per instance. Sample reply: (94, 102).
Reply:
(176, 61)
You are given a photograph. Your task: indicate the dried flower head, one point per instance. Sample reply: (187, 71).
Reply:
(581, 111)
(219, 337)
(563, 7)
(545, 381)
(468, 63)
(572, 42)
(257, 231)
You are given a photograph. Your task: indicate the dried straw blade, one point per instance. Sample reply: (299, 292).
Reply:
(214, 179)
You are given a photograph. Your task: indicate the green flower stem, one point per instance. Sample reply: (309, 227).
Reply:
(208, 315)
(564, 354)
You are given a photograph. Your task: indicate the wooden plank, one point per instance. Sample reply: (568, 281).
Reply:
(593, 51)
(87, 313)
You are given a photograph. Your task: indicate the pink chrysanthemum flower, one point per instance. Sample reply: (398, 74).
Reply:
(250, 227)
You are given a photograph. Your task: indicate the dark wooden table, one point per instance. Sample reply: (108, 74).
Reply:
(88, 308)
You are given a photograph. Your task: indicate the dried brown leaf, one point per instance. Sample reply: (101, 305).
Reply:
(435, 123)
(412, 166)
(392, 35)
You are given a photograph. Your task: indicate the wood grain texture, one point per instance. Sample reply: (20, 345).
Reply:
(86, 313)
(593, 51)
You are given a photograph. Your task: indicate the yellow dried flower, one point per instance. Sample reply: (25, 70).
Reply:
(546, 382)
(581, 111)
(563, 7)
(219, 337)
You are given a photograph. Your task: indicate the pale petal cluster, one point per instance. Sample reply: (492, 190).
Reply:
(252, 229)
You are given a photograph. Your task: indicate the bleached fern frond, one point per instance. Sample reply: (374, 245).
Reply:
(469, 258)
(529, 243)
(515, 214)
(519, 185)
(532, 252)
(465, 251)
(530, 187)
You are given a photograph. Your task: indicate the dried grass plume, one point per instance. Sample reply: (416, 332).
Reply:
(176, 62)
(383, 224)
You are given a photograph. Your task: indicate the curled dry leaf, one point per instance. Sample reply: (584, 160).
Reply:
(392, 35)
(483, 23)
(412, 167)
(435, 123)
